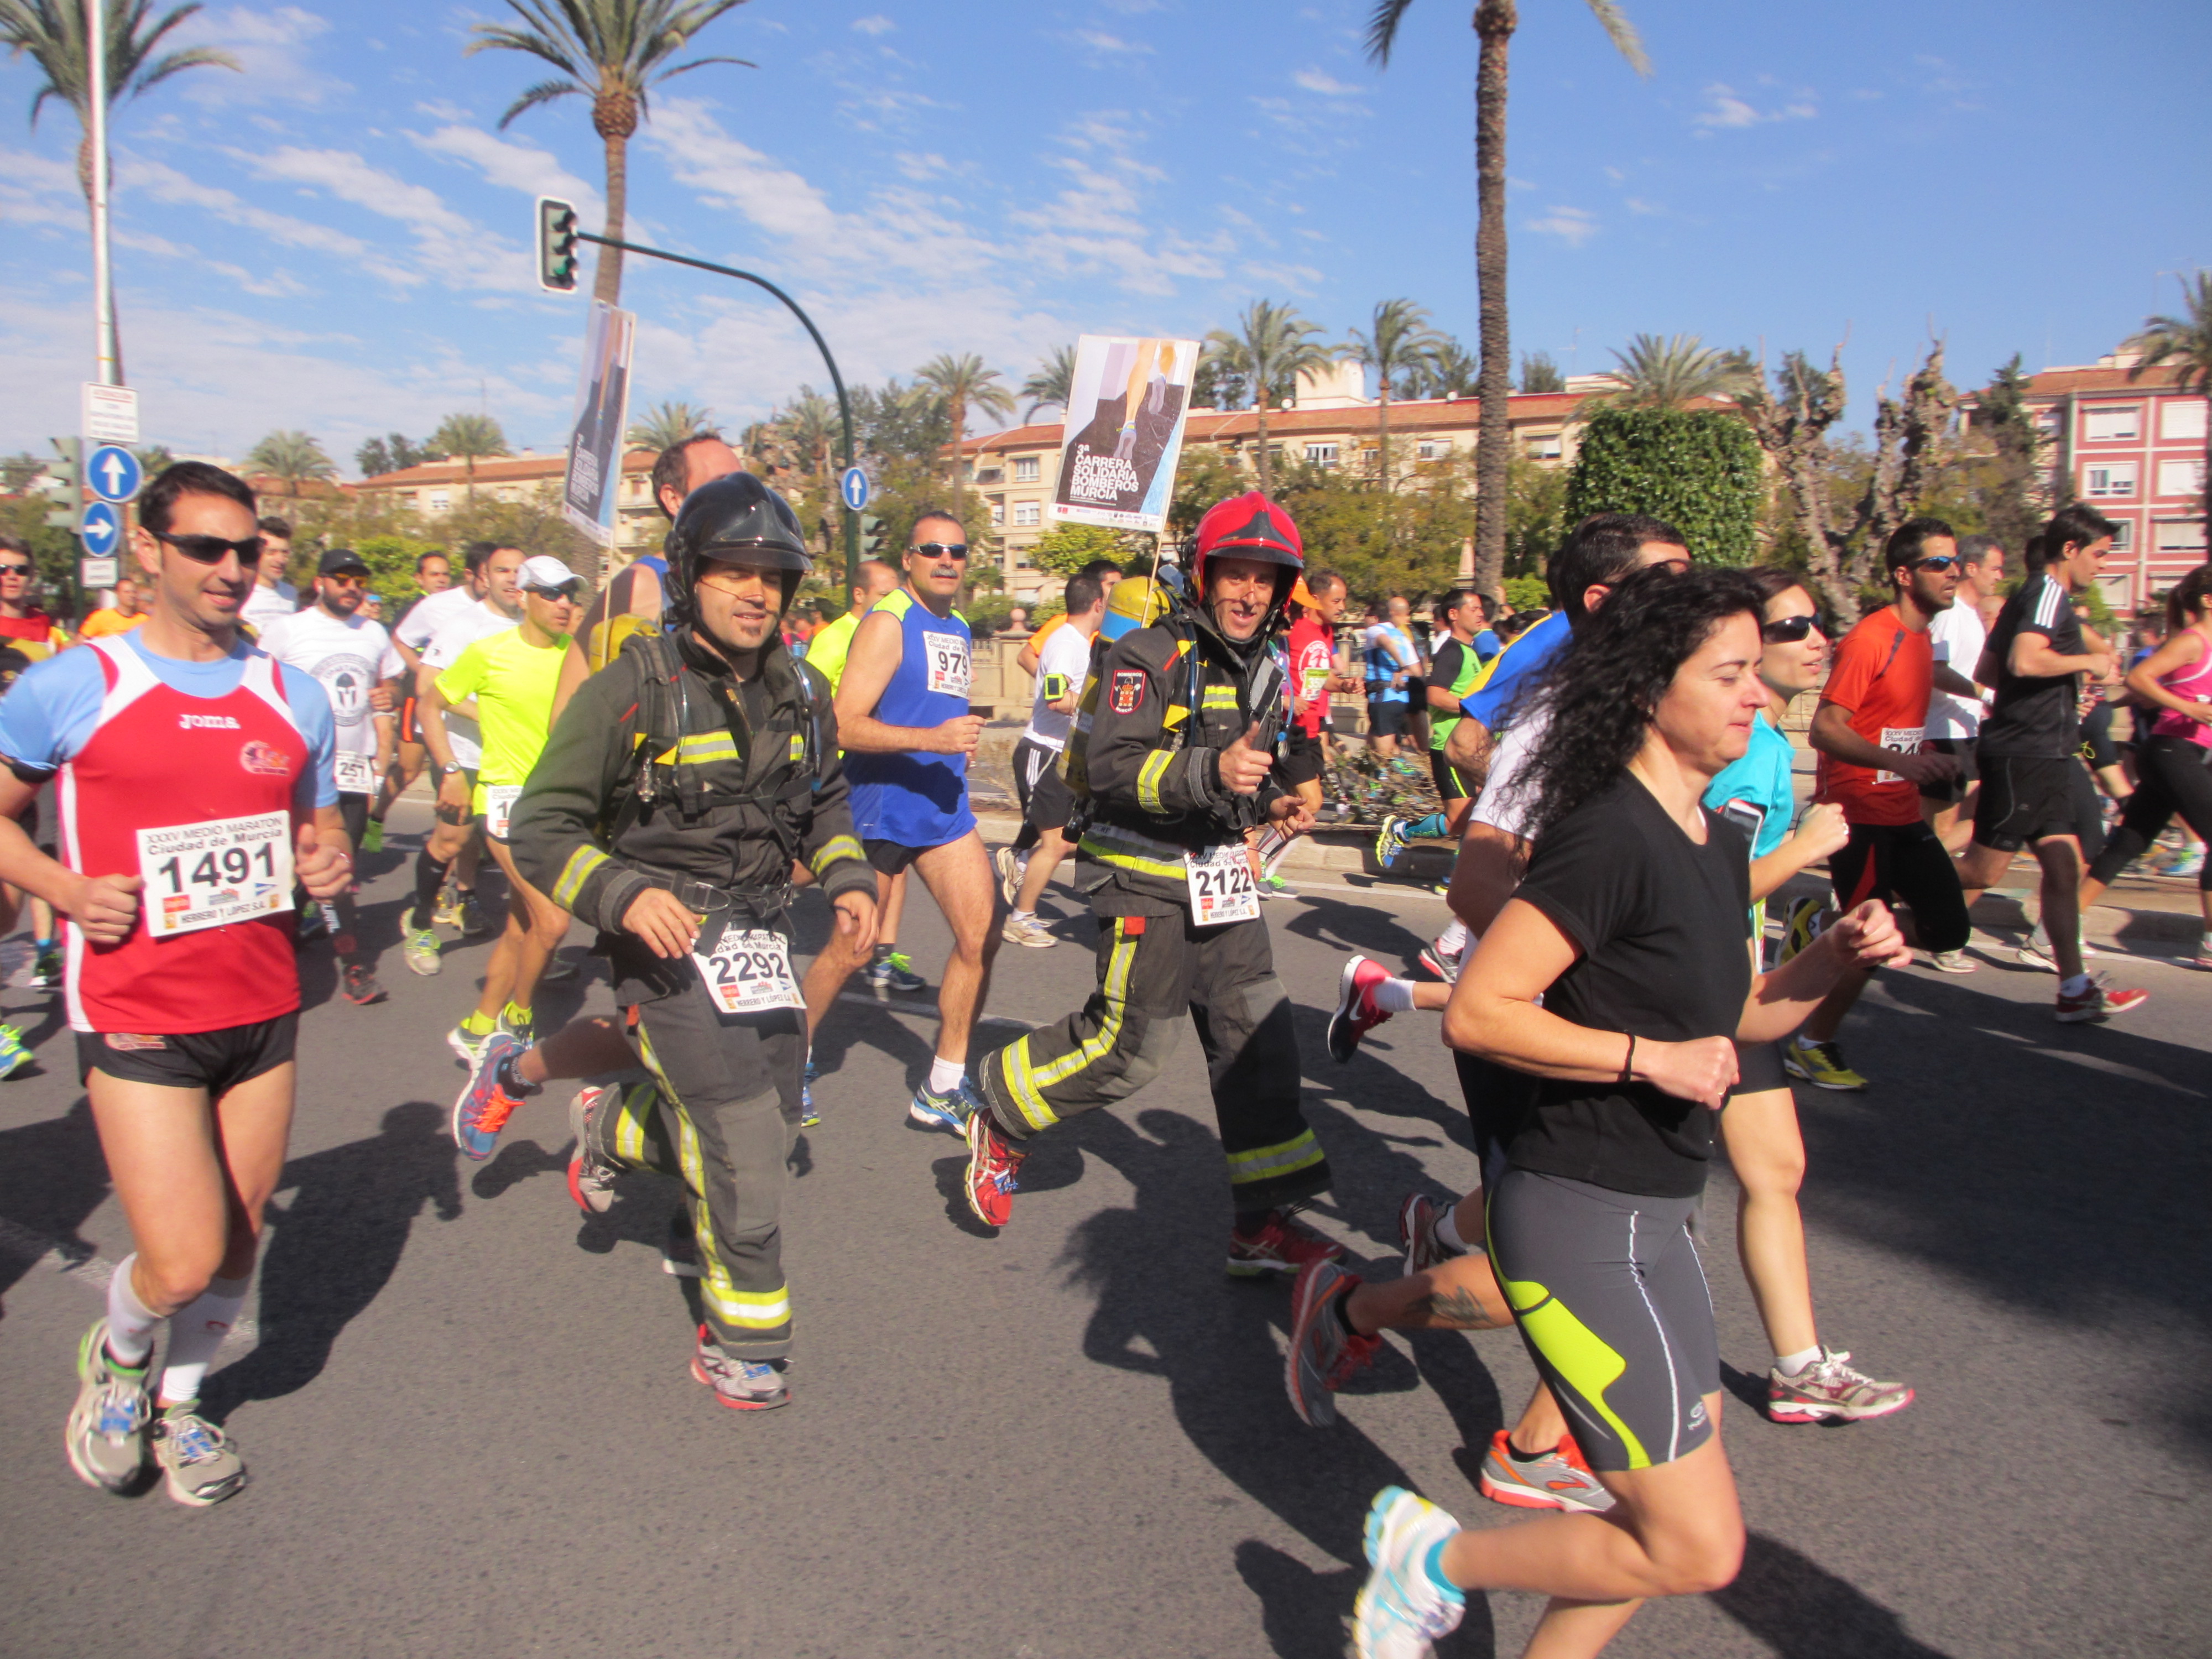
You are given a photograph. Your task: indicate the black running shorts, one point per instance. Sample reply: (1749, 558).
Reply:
(217, 1061)
(1046, 800)
(890, 858)
(1301, 760)
(1905, 863)
(1385, 719)
(1954, 788)
(2026, 799)
(1450, 786)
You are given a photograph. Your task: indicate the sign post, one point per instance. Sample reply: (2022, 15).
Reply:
(111, 414)
(114, 474)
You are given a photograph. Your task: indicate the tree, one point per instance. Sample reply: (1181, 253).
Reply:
(1273, 346)
(154, 458)
(802, 437)
(1211, 386)
(667, 424)
(613, 52)
(1494, 23)
(1065, 548)
(1381, 541)
(467, 439)
(1696, 469)
(52, 33)
(393, 453)
(1052, 383)
(292, 457)
(1536, 522)
(2185, 341)
(962, 383)
(1446, 370)
(1540, 374)
(1675, 372)
(1204, 476)
(19, 471)
(2015, 503)
(1398, 342)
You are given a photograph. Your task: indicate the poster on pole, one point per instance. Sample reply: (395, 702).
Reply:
(1125, 418)
(595, 441)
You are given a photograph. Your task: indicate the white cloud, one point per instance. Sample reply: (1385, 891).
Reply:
(877, 24)
(449, 246)
(1571, 225)
(270, 46)
(1314, 80)
(1724, 110)
(1109, 45)
(523, 167)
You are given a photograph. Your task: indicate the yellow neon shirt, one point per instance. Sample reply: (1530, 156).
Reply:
(512, 681)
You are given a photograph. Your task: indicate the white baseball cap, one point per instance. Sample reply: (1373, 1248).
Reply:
(544, 574)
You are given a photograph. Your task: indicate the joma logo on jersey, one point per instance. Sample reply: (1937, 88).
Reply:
(206, 723)
(265, 760)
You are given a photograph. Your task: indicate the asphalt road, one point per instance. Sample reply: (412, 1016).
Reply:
(472, 1431)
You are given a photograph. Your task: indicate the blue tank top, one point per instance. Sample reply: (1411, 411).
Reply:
(654, 563)
(917, 800)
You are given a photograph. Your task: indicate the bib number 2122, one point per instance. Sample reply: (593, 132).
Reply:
(1220, 882)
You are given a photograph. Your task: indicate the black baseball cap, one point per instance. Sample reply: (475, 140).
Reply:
(343, 561)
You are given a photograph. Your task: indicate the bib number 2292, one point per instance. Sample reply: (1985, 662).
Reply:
(212, 874)
(1220, 881)
(750, 972)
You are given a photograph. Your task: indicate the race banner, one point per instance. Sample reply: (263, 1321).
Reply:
(595, 441)
(1125, 419)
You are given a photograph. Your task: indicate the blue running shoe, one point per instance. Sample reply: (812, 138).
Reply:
(1401, 1608)
(483, 1106)
(948, 1112)
(14, 1056)
(894, 971)
(1390, 842)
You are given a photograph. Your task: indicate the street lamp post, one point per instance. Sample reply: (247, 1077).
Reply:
(103, 292)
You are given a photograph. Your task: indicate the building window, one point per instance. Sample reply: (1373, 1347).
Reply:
(2179, 541)
(991, 475)
(998, 513)
(1435, 449)
(1544, 448)
(2183, 418)
(2101, 425)
(1025, 469)
(1322, 454)
(439, 499)
(2184, 477)
(2113, 478)
(2123, 536)
(1021, 560)
(1026, 513)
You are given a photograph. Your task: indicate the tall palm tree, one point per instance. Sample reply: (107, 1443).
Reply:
(961, 384)
(293, 458)
(610, 51)
(1398, 343)
(1052, 383)
(1449, 371)
(1539, 373)
(1272, 347)
(1494, 23)
(2185, 341)
(807, 429)
(467, 439)
(52, 33)
(667, 424)
(1676, 371)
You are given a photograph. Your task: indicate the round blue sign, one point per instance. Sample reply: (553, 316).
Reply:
(854, 486)
(101, 527)
(114, 473)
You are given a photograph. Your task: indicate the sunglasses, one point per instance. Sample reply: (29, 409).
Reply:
(1939, 561)
(568, 593)
(1788, 630)
(940, 550)
(210, 550)
(15, 570)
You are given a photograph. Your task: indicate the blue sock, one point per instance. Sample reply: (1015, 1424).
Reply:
(1432, 828)
(1433, 1563)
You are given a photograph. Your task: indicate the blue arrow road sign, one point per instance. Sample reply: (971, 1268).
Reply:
(101, 527)
(854, 486)
(114, 473)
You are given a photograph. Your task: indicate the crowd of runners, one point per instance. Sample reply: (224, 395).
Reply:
(660, 762)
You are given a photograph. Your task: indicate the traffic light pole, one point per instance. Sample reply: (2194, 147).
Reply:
(844, 403)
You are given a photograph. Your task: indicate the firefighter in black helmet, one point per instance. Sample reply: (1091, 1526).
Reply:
(679, 786)
(1177, 733)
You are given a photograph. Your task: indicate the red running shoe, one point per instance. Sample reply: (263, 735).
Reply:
(1556, 1480)
(995, 1168)
(1356, 1013)
(1279, 1245)
(2098, 1001)
(1323, 1353)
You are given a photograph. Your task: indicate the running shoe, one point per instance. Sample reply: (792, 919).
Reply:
(1027, 930)
(1556, 1480)
(894, 972)
(1952, 962)
(1324, 1352)
(14, 1054)
(419, 949)
(1444, 964)
(1390, 840)
(199, 1463)
(949, 1112)
(994, 1169)
(591, 1177)
(2202, 957)
(1274, 887)
(106, 1434)
(744, 1385)
(448, 911)
(1417, 1234)
(469, 1044)
(1356, 1013)
(2035, 951)
(359, 984)
(1821, 1065)
(2098, 1001)
(1830, 1390)
(1280, 1244)
(559, 969)
(371, 835)
(1800, 928)
(523, 1029)
(1401, 1608)
(475, 921)
(314, 921)
(2190, 863)
(1011, 868)
(46, 968)
(481, 1108)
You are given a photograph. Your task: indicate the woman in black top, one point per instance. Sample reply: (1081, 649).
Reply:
(1617, 976)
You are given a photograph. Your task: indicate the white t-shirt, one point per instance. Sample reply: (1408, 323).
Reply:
(1956, 637)
(421, 625)
(265, 605)
(1066, 653)
(475, 621)
(349, 655)
(1504, 805)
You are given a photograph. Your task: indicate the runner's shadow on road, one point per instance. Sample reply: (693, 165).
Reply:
(519, 1161)
(52, 1177)
(332, 1249)
(1366, 928)
(1802, 1611)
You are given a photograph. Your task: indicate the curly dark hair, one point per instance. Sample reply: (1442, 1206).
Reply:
(1602, 690)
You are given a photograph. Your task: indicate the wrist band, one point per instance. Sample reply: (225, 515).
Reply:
(1628, 1065)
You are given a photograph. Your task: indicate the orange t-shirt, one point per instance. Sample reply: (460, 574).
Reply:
(1883, 677)
(101, 623)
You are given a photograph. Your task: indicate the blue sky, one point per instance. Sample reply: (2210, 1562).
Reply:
(337, 239)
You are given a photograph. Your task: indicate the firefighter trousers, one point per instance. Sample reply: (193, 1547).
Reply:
(1155, 969)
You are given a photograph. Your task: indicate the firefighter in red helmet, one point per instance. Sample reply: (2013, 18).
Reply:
(1173, 756)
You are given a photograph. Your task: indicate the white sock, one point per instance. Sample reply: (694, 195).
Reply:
(130, 1321)
(1791, 1363)
(1394, 996)
(946, 1075)
(2074, 987)
(1024, 915)
(1809, 1042)
(1448, 1235)
(1453, 940)
(195, 1332)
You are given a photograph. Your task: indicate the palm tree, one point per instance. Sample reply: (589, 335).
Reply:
(960, 383)
(668, 424)
(806, 434)
(1273, 346)
(465, 438)
(1399, 343)
(1538, 372)
(292, 457)
(1494, 23)
(52, 33)
(1448, 371)
(2186, 342)
(1052, 383)
(1676, 371)
(611, 51)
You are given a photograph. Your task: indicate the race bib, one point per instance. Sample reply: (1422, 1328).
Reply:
(947, 658)
(750, 972)
(1220, 881)
(1899, 740)
(356, 774)
(211, 874)
(499, 807)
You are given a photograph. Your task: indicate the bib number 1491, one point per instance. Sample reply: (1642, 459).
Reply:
(212, 874)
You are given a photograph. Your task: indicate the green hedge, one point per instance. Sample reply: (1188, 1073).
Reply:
(1699, 470)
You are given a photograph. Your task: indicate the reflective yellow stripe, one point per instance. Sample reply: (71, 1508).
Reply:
(581, 862)
(1122, 856)
(837, 847)
(704, 747)
(1027, 1083)
(1219, 697)
(626, 1144)
(1266, 1162)
(1148, 780)
(761, 1312)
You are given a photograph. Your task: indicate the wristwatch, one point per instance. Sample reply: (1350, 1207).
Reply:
(449, 769)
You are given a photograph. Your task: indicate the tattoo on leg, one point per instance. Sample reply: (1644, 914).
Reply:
(1455, 1310)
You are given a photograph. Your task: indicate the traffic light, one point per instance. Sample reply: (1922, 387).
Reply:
(557, 246)
(69, 468)
(872, 535)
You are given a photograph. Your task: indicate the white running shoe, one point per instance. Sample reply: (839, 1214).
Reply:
(1402, 1609)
